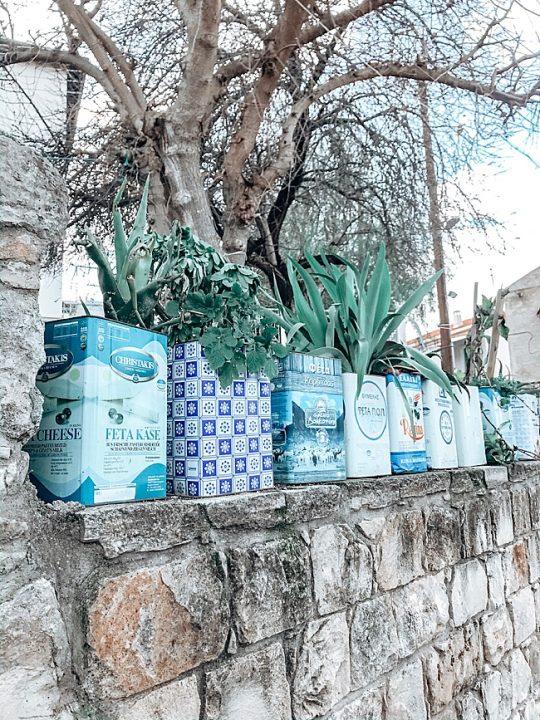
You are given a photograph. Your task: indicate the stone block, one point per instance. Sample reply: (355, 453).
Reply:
(495, 577)
(342, 568)
(515, 565)
(442, 540)
(421, 612)
(312, 502)
(405, 699)
(374, 641)
(467, 652)
(400, 550)
(521, 677)
(322, 674)
(522, 612)
(471, 707)
(469, 591)
(496, 688)
(142, 527)
(533, 552)
(497, 634)
(271, 584)
(33, 653)
(449, 713)
(532, 655)
(495, 476)
(521, 510)
(249, 511)
(251, 686)
(164, 702)
(477, 538)
(149, 627)
(534, 506)
(465, 480)
(368, 706)
(503, 522)
(373, 494)
(439, 672)
(423, 484)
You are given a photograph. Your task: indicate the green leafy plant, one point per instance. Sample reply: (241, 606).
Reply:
(479, 335)
(498, 452)
(179, 284)
(344, 311)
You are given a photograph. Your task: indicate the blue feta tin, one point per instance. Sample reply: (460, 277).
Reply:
(308, 420)
(102, 436)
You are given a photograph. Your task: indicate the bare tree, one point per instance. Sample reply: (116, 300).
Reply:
(235, 107)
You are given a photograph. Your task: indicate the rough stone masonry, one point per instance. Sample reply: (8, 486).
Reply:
(400, 598)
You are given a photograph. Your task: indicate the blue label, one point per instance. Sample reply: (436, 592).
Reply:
(59, 360)
(133, 364)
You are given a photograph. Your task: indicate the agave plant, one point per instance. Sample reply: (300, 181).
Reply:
(341, 310)
(180, 284)
(131, 285)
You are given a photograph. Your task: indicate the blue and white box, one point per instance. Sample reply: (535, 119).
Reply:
(219, 439)
(308, 420)
(406, 424)
(102, 437)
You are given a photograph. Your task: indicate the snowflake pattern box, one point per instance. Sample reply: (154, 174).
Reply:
(219, 440)
(308, 420)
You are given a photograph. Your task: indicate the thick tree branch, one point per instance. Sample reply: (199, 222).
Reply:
(15, 53)
(327, 23)
(194, 102)
(442, 76)
(77, 16)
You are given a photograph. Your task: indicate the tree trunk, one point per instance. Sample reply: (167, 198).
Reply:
(436, 233)
(177, 189)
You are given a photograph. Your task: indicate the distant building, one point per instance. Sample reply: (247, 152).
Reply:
(522, 310)
(459, 329)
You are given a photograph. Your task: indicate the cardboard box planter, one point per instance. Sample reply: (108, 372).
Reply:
(219, 440)
(407, 441)
(367, 437)
(307, 420)
(102, 434)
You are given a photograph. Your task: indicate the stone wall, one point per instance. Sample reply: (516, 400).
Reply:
(393, 599)
(401, 598)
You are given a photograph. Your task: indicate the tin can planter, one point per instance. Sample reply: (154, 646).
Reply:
(407, 441)
(219, 439)
(524, 412)
(367, 438)
(102, 434)
(496, 415)
(307, 420)
(468, 425)
(441, 449)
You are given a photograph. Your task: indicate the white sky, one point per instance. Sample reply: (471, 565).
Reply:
(511, 193)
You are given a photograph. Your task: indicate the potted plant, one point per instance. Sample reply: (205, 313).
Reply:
(468, 425)
(222, 351)
(343, 311)
(102, 436)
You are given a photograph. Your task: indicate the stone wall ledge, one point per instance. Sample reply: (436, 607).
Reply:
(162, 524)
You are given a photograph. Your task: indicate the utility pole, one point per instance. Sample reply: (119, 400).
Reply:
(435, 225)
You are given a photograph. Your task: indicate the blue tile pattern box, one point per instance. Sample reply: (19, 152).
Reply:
(308, 420)
(219, 440)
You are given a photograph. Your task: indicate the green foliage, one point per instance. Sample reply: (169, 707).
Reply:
(131, 285)
(180, 284)
(498, 452)
(479, 335)
(345, 311)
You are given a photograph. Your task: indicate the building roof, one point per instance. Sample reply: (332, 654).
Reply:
(531, 279)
